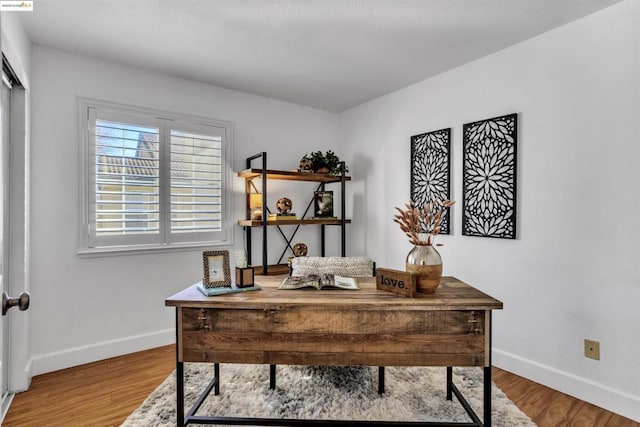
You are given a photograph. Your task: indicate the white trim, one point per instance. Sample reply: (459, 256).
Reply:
(147, 249)
(104, 350)
(6, 403)
(6, 80)
(622, 403)
(22, 380)
(13, 53)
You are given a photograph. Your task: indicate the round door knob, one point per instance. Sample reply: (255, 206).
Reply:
(22, 302)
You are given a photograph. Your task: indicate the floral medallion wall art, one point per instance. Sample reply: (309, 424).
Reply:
(489, 177)
(430, 176)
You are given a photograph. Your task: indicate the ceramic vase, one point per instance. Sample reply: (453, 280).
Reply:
(425, 262)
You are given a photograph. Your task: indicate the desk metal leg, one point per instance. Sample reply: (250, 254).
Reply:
(380, 379)
(487, 371)
(272, 377)
(180, 394)
(216, 374)
(449, 382)
(487, 397)
(179, 377)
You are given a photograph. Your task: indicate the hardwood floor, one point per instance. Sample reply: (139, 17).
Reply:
(104, 393)
(550, 408)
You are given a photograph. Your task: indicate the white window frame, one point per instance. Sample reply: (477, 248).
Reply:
(88, 244)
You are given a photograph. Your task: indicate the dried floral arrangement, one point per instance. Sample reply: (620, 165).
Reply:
(422, 225)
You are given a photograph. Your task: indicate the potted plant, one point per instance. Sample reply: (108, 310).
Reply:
(319, 162)
(333, 163)
(328, 162)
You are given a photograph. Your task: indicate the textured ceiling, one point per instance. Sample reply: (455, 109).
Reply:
(326, 54)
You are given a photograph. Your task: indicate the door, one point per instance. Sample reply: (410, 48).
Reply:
(4, 209)
(8, 81)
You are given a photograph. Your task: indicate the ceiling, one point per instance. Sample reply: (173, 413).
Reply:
(327, 54)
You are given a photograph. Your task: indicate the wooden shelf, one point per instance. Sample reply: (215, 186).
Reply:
(291, 175)
(256, 223)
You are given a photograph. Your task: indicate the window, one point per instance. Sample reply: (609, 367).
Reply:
(152, 179)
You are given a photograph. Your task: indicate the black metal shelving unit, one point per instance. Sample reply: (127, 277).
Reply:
(264, 175)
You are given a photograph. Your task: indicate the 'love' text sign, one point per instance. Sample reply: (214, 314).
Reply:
(399, 282)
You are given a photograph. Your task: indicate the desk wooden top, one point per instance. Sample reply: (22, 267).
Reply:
(452, 294)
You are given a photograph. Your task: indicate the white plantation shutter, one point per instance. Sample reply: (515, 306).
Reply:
(196, 182)
(153, 181)
(124, 193)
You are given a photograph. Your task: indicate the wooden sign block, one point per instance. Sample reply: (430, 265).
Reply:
(399, 282)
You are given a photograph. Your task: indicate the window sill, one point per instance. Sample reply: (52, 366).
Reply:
(106, 251)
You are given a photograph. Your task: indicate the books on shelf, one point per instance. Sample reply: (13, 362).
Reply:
(322, 281)
(282, 217)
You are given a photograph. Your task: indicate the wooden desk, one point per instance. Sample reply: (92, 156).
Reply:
(451, 327)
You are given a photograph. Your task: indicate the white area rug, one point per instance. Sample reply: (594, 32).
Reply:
(348, 393)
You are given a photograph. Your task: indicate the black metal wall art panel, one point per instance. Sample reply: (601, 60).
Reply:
(430, 171)
(489, 177)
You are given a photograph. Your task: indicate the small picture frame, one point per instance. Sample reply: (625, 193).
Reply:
(217, 273)
(323, 204)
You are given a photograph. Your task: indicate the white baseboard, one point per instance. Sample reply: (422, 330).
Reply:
(86, 354)
(20, 379)
(4, 406)
(613, 400)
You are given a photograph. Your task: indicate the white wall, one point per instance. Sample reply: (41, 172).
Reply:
(85, 309)
(573, 271)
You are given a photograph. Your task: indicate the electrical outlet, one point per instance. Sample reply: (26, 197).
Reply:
(592, 349)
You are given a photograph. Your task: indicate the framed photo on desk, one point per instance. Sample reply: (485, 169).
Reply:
(216, 269)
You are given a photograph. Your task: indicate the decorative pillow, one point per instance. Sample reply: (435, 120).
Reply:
(342, 266)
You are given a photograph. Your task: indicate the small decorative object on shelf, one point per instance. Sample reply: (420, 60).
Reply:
(305, 164)
(216, 269)
(421, 226)
(255, 204)
(284, 205)
(323, 204)
(300, 249)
